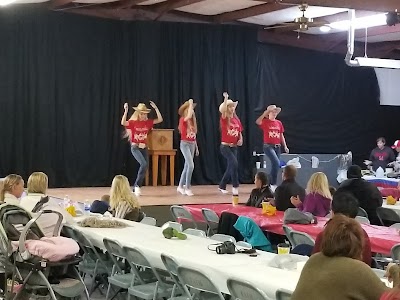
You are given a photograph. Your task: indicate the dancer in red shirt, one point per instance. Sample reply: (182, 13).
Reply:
(231, 138)
(273, 138)
(188, 145)
(137, 128)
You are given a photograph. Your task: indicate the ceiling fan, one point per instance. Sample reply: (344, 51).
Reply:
(301, 23)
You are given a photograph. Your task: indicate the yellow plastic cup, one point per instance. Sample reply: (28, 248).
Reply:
(235, 200)
(283, 248)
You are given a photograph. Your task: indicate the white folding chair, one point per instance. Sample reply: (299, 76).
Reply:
(181, 214)
(362, 213)
(196, 232)
(149, 221)
(174, 225)
(241, 290)
(283, 294)
(179, 289)
(197, 280)
(287, 231)
(212, 220)
(223, 238)
(300, 238)
(362, 220)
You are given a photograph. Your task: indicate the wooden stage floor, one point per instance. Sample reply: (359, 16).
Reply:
(160, 195)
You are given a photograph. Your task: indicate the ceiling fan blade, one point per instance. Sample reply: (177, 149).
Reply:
(283, 25)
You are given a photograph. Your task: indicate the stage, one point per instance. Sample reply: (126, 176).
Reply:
(159, 195)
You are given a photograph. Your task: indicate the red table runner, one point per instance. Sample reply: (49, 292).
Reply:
(382, 238)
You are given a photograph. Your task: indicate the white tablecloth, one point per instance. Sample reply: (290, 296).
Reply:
(395, 207)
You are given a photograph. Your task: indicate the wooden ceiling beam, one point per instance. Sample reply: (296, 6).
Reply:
(124, 4)
(248, 12)
(166, 6)
(371, 5)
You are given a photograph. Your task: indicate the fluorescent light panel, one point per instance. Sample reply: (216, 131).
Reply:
(359, 23)
(378, 62)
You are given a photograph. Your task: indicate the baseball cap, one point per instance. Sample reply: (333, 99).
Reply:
(396, 144)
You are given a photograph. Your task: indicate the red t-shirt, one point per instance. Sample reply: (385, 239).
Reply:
(186, 130)
(273, 130)
(367, 256)
(139, 130)
(230, 135)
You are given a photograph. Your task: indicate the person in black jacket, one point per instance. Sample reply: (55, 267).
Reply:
(366, 193)
(288, 188)
(262, 192)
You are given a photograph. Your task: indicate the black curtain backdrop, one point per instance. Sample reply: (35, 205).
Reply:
(64, 79)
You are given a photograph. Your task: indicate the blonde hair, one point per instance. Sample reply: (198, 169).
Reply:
(38, 182)
(8, 183)
(318, 184)
(192, 122)
(121, 191)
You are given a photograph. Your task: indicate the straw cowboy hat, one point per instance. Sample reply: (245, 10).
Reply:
(273, 107)
(142, 108)
(228, 103)
(185, 106)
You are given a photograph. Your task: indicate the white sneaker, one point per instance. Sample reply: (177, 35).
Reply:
(273, 187)
(223, 191)
(180, 190)
(189, 192)
(137, 191)
(235, 191)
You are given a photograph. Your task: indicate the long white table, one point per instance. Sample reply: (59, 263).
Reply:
(194, 253)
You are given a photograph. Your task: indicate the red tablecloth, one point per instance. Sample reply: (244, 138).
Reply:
(382, 238)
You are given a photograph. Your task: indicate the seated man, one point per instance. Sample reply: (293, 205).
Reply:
(346, 204)
(288, 188)
(367, 194)
(262, 192)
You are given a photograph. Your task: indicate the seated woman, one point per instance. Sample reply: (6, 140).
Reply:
(11, 189)
(318, 197)
(38, 184)
(123, 203)
(337, 272)
(262, 192)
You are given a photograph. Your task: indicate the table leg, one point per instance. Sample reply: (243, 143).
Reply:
(164, 170)
(155, 169)
(172, 170)
(147, 177)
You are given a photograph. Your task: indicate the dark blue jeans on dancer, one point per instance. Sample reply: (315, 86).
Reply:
(273, 152)
(231, 172)
(142, 157)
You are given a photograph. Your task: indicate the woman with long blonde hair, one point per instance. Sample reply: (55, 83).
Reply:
(188, 145)
(12, 188)
(137, 128)
(231, 138)
(123, 203)
(318, 197)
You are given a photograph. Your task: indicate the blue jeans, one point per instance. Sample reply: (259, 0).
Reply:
(230, 154)
(273, 153)
(187, 149)
(142, 157)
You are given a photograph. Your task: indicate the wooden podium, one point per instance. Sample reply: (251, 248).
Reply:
(160, 144)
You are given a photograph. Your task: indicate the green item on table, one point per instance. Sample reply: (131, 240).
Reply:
(170, 232)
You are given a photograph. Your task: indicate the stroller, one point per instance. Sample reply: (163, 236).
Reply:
(38, 278)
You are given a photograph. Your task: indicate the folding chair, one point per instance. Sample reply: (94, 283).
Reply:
(287, 231)
(223, 238)
(212, 220)
(196, 232)
(362, 220)
(182, 215)
(119, 276)
(195, 279)
(283, 294)
(241, 290)
(387, 217)
(174, 225)
(149, 221)
(299, 238)
(395, 253)
(362, 213)
(179, 288)
(160, 288)
(395, 225)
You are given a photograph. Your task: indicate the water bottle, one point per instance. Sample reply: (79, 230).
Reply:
(86, 207)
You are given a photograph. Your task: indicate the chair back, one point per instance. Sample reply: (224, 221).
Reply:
(301, 238)
(212, 220)
(287, 231)
(223, 238)
(196, 232)
(387, 216)
(395, 225)
(174, 225)
(198, 280)
(115, 252)
(362, 213)
(181, 214)
(241, 290)
(363, 220)
(395, 253)
(172, 267)
(149, 221)
(283, 294)
(68, 231)
(91, 251)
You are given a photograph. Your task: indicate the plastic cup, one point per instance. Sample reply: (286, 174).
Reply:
(258, 165)
(235, 200)
(283, 248)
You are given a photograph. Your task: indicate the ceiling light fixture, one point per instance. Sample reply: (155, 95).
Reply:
(325, 28)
